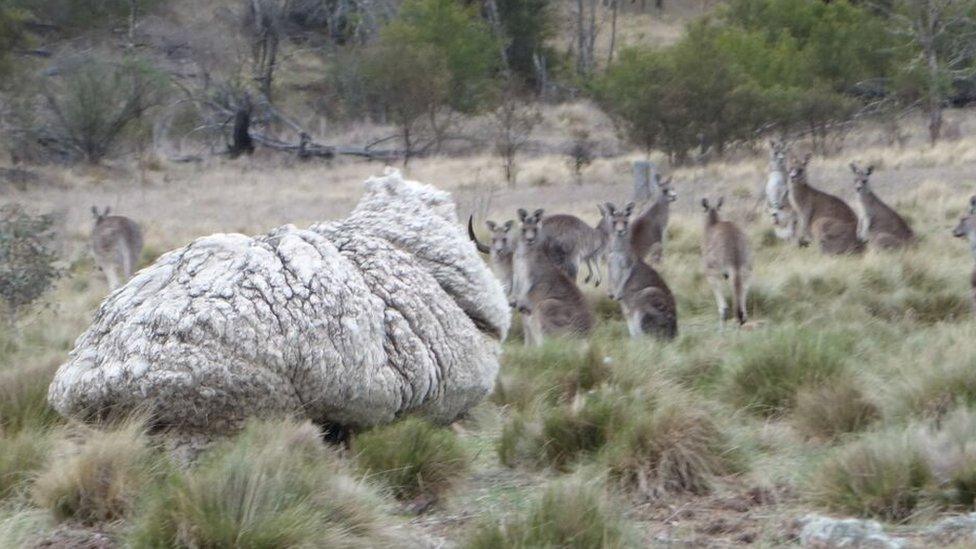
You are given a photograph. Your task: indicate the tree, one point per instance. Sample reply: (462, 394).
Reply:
(940, 35)
(514, 121)
(528, 25)
(409, 82)
(12, 34)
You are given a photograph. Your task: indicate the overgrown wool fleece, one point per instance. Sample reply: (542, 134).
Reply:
(388, 312)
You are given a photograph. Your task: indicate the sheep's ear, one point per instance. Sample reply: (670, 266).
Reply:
(870, 170)
(705, 204)
(508, 225)
(538, 213)
(522, 214)
(718, 204)
(490, 224)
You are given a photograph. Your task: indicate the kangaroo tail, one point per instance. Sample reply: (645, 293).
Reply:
(738, 299)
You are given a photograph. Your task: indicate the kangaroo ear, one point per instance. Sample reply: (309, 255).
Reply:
(522, 214)
(508, 225)
(705, 204)
(602, 208)
(95, 212)
(490, 224)
(611, 209)
(629, 208)
(853, 167)
(538, 213)
(718, 204)
(870, 170)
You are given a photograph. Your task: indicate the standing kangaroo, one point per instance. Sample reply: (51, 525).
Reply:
(499, 252)
(726, 255)
(116, 243)
(572, 241)
(645, 299)
(777, 193)
(967, 229)
(549, 300)
(648, 229)
(821, 215)
(878, 223)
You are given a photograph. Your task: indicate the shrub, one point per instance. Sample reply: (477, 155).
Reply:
(20, 456)
(571, 514)
(101, 479)
(27, 261)
(833, 408)
(767, 369)
(675, 445)
(412, 457)
(274, 485)
(881, 475)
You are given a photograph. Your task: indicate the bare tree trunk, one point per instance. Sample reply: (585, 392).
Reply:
(934, 106)
(132, 22)
(613, 30)
(491, 8)
(580, 38)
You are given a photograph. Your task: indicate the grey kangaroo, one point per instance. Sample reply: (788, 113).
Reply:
(967, 229)
(878, 223)
(726, 255)
(116, 243)
(499, 252)
(820, 215)
(648, 229)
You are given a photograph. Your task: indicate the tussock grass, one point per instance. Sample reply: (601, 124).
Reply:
(933, 372)
(21, 526)
(673, 445)
(555, 372)
(765, 371)
(412, 457)
(571, 514)
(571, 430)
(99, 479)
(274, 485)
(882, 475)
(950, 449)
(21, 455)
(23, 398)
(836, 407)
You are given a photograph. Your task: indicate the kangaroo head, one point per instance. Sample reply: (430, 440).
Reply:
(967, 224)
(100, 216)
(531, 224)
(861, 177)
(798, 167)
(711, 210)
(501, 241)
(619, 219)
(666, 188)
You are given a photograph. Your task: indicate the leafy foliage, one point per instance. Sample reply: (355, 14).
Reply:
(27, 259)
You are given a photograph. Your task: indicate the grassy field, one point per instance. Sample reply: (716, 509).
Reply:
(849, 393)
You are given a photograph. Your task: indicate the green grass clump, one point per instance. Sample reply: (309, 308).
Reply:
(833, 408)
(950, 448)
(766, 369)
(412, 457)
(570, 514)
(556, 372)
(23, 398)
(274, 485)
(21, 455)
(100, 480)
(674, 444)
(22, 526)
(932, 379)
(881, 475)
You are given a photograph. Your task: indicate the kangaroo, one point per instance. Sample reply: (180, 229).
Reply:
(572, 241)
(116, 243)
(726, 255)
(648, 229)
(645, 299)
(500, 252)
(777, 193)
(821, 215)
(967, 229)
(549, 300)
(878, 223)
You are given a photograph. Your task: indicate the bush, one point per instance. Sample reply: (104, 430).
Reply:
(101, 480)
(27, 260)
(883, 475)
(833, 408)
(412, 457)
(673, 446)
(764, 373)
(274, 485)
(570, 514)
(20, 456)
